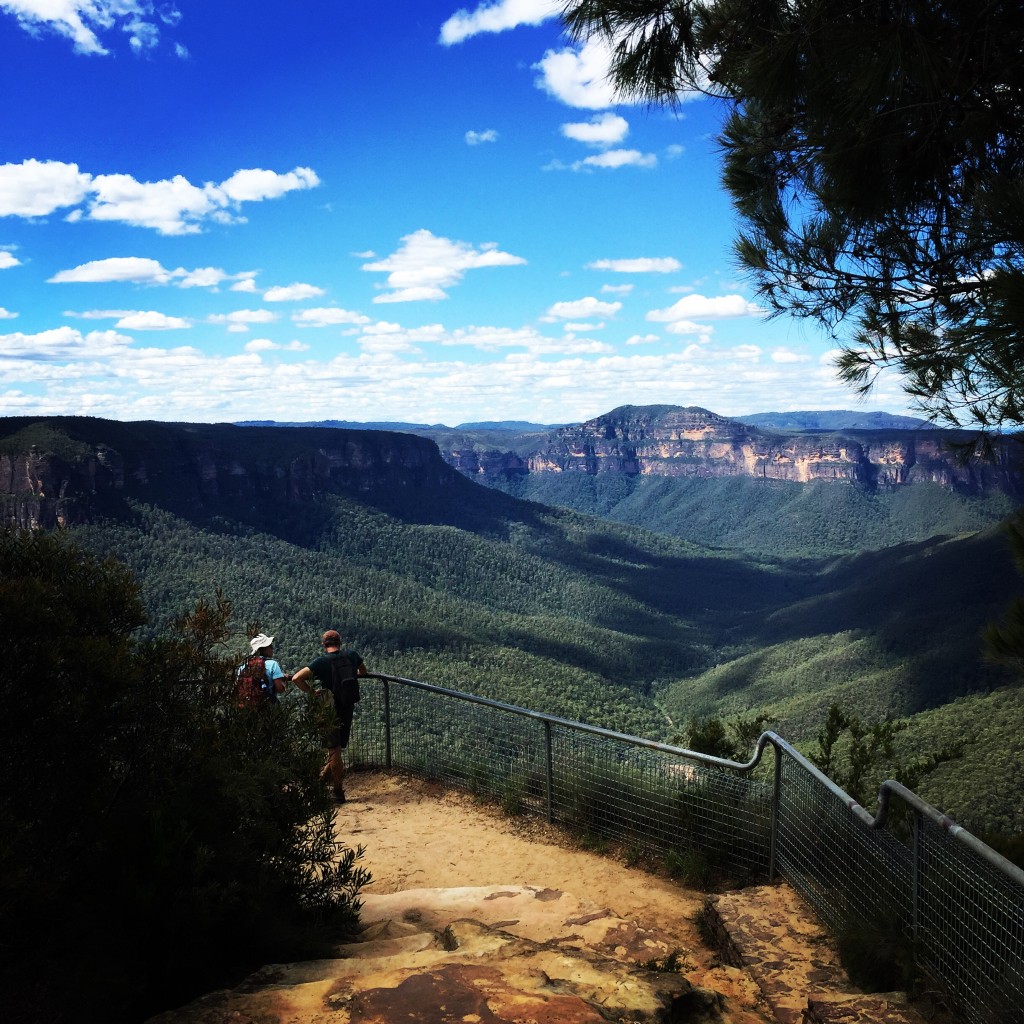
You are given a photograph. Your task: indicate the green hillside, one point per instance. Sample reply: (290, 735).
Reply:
(768, 517)
(575, 615)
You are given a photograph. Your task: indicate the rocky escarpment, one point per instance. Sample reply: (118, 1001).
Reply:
(671, 441)
(64, 470)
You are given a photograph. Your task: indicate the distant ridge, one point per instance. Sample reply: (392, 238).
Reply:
(834, 419)
(514, 425)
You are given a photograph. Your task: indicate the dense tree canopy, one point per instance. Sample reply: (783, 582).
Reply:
(157, 841)
(875, 153)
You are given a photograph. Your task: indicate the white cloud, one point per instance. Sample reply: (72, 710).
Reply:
(36, 188)
(172, 206)
(497, 17)
(81, 21)
(134, 269)
(254, 185)
(62, 343)
(426, 264)
(617, 289)
(6, 314)
(149, 320)
(580, 309)
(747, 352)
(239, 319)
(689, 327)
(579, 77)
(785, 355)
(266, 345)
(642, 265)
(8, 260)
(720, 308)
(245, 282)
(142, 270)
(600, 130)
(476, 138)
(292, 293)
(570, 328)
(642, 339)
(201, 277)
(99, 314)
(327, 316)
(612, 159)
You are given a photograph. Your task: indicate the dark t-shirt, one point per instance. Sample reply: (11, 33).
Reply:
(345, 693)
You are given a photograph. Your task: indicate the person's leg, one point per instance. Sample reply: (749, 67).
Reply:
(336, 760)
(335, 771)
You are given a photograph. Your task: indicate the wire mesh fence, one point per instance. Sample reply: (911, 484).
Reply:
(937, 895)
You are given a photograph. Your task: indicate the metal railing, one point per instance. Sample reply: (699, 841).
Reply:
(908, 871)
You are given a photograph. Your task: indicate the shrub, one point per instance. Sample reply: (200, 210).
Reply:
(157, 840)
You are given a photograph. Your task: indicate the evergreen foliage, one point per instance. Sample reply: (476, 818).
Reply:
(157, 840)
(873, 152)
(768, 518)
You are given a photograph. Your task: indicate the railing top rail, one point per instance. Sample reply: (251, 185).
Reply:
(594, 730)
(888, 789)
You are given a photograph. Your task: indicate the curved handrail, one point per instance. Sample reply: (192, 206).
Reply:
(889, 788)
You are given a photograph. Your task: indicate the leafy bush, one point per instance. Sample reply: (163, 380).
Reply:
(157, 840)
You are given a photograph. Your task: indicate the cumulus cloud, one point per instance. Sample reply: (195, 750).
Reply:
(612, 159)
(6, 314)
(616, 289)
(642, 339)
(149, 320)
(245, 282)
(786, 355)
(476, 138)
(36, 188)
(580, 309)
(62, 343)
(600, 130)
(142, 270)
(497, 17)
(173, 206)
(134, 269)
(8, 260)
(579, 76)
(238, 321)
(690, 327)
(426, 264)
(327, 316)
(642, 265)
(721, 307)
(266, 345)
(292, 293)
(82, 21)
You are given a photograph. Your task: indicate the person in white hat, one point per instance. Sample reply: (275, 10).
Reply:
(272, 679)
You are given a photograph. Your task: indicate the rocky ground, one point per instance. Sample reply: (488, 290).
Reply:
(476, 918)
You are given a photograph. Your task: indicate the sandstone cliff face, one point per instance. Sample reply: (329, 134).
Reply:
(196, 468)
(692, 442)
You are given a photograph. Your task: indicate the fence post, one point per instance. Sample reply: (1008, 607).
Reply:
(548, 787)
(915, 880)
(387, 724)
(776, 803)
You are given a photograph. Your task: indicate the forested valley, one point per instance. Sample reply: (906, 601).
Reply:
(575, 615)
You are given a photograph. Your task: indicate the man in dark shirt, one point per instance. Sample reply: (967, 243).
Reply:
(335, 672)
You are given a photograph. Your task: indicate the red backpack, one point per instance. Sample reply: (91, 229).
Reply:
(253, 687)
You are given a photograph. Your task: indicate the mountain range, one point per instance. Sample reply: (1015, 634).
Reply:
(435, 577)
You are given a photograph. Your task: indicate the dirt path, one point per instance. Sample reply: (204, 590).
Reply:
(420, 835)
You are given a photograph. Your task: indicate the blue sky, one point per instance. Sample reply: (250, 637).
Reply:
(346, 209)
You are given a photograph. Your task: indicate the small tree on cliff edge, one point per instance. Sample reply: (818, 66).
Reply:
(875, 155)
(156, 840)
